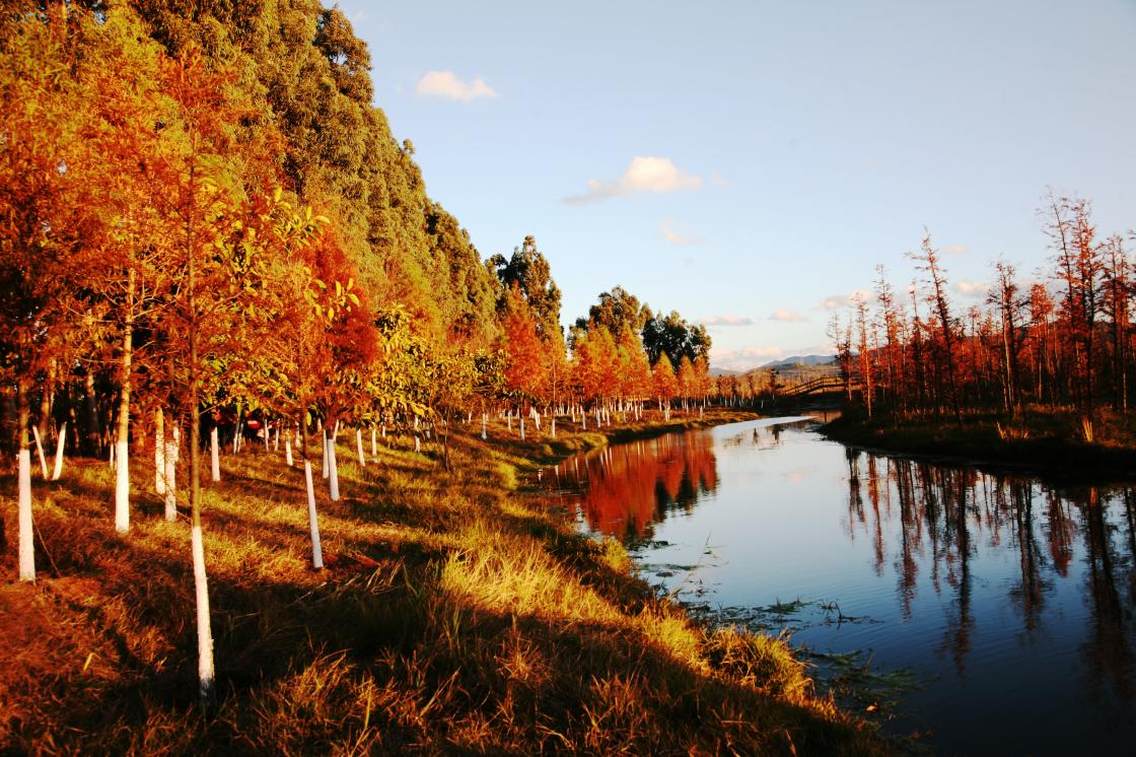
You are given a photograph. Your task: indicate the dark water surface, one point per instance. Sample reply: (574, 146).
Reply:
(993, 611)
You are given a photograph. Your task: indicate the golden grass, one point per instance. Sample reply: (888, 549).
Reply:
(454, 615)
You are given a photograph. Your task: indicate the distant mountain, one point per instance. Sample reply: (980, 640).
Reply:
(714, 371)
(799, 360)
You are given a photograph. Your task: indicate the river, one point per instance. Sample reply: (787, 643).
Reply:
(986, 612)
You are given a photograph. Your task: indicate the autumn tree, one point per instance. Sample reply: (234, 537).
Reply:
(664, 383)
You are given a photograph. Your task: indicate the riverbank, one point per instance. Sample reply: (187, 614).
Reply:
(452, 616)
(1046, 444)
(541, 449)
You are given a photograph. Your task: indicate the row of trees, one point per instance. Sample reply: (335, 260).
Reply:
(203, 217)
(1060, 341)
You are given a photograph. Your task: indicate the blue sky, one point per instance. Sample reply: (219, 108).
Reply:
(749, 163)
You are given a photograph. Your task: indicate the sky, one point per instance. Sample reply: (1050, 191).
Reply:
(750, 163)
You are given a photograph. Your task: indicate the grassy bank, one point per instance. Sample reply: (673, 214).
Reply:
(1049, 444)
(452, 617)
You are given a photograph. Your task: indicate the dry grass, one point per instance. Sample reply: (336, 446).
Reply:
(453, 616)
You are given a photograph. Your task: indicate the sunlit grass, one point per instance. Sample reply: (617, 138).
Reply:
(453, 615)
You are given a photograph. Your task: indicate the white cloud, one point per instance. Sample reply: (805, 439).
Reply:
(676, 237)
(787, 316)
(727, 320)
(745, 358)
(842, 301)
(972, 289)
(645, 173)
(448, 85)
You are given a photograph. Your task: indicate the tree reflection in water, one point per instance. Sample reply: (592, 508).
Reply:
(633, 486)
(956, 508)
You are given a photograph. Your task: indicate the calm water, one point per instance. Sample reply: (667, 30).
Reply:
(994, 611)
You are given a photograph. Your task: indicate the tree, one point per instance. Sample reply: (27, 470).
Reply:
(524, 367)
(927, 260)
(664, 382)
(1005, 296)
(634, 368)
(674, 336)
(616, 311)
(41, 113)
(530, 273)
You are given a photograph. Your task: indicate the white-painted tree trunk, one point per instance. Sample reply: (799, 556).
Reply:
(288, 450)
(267, 434)
(359, 448)
(59, 444)
(159, 452)
(122, 485)
(324, 467)
(552, 427)
(384, 430)
(39, 451)
(313, 520)
(205, 676)
(484, 423)
(333, 471)
(522, 428)
(417, 443)
(374, 444)
(276, 439)
(509, 420)
(215, 454)
(171, 479)
(584, 421)
(27, 543)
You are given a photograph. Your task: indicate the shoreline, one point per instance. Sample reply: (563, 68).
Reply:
(536, 453)
(977, 443)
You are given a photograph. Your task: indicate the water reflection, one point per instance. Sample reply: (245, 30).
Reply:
(1013, 599)
(632, 486)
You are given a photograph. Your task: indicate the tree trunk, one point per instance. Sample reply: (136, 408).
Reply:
(39, 452)
(59, 444)
(45, 398)
(24, 515)
(323, 440)
(214, 454)
(122, 472)
(332, 469)
(313, 520)
(159, 451)
(333, 473)
(170, 459)
(93, 432)
(359, 448)
(288, 449)
(205, 675)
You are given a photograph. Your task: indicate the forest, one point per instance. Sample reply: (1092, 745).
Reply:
(210, 237)
(1051, 346)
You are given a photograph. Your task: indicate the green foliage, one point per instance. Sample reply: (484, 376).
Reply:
(671, 334)
(529, 271)
(617, 310)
